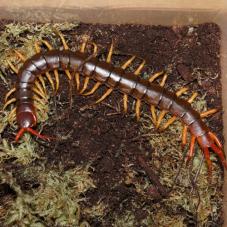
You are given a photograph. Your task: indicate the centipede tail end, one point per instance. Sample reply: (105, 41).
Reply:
(208, 142)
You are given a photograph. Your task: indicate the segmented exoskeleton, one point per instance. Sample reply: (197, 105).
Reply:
(103, 72)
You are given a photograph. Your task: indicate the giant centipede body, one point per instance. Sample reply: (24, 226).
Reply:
(114, 78)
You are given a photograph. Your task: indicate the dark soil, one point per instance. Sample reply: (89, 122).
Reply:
(111, 141)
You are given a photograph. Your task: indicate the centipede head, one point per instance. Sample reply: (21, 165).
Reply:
(26, 120)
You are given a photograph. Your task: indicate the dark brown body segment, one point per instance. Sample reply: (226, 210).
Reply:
(109, 75)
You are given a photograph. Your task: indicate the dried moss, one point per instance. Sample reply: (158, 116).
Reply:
(55, 201)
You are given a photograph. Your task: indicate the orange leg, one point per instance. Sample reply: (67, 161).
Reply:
(215, 138)
(220, 154)
(191, 150)
(172, 119)
(138, 105)
(184, 136)
(107, 93)
(95, 51)
(125, 96)
(209, 165)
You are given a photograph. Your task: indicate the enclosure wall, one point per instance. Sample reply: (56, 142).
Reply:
(152, 12)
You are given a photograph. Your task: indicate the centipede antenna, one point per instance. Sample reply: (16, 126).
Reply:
(138, 105)
(9, 102)
(15, 70)
(140, 67)
(208, 112)
(9, 93)
(128, 62)
(107, 93)
(191, 149)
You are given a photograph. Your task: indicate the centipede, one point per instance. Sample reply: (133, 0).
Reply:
(78, 64)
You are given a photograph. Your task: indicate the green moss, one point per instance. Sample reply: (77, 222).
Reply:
(54, 202)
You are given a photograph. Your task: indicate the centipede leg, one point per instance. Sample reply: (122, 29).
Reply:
(96, 86)
(125, 96)
(107, 93)
(9, 93)
(209, 165)
(138, 105)
(163, 112)
(220, 154)
(77, 75)
(23, 58)
(9, 102)
(192, 149)
(152, 108)
(215, 138)
(172, 119)
(86, 81)
(12, 115)
(208, 112)
(184, 136)
(15, 70)
(35, 97)
(140, 67)
(39, 93)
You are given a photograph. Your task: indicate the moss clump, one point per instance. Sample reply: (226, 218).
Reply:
(55, 199)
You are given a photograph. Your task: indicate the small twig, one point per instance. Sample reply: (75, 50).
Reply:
(152, 176)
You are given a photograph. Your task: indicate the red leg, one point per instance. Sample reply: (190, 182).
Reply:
(220, 154)
(19, 134)
(209, 165)
(33, 132)
(215, 138)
